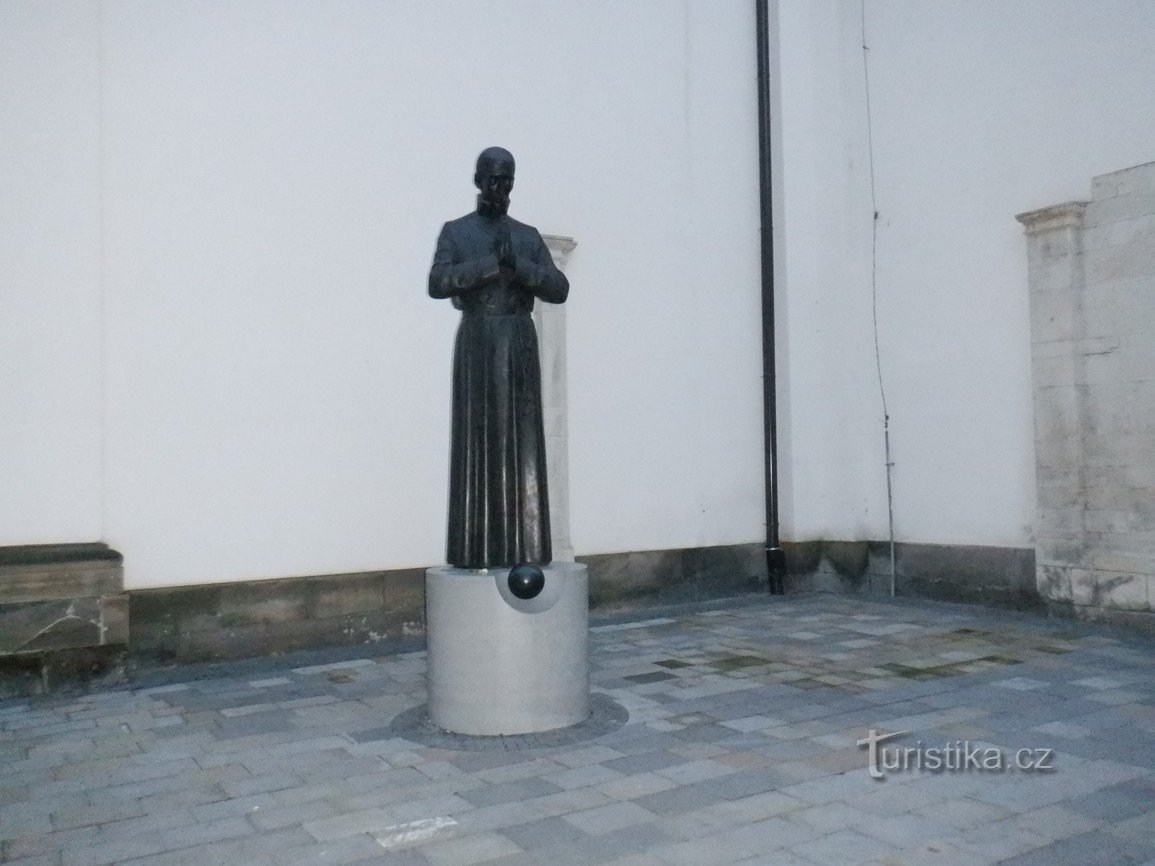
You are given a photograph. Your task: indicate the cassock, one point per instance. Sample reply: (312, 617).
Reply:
(498, 500)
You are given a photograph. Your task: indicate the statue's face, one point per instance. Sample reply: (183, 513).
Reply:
(495, 180)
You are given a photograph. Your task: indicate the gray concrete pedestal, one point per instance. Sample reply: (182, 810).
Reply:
(501, 665)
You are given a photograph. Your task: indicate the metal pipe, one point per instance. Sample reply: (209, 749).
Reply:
(775, 558)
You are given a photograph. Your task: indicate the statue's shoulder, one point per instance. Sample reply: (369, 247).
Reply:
(522, 228)
(462, 222)
(463, 233)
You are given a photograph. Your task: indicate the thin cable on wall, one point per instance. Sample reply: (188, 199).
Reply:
(874, 295)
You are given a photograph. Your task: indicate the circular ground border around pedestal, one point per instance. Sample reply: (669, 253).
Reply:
(606, 715)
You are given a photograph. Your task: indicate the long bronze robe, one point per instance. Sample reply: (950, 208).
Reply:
(498, 500)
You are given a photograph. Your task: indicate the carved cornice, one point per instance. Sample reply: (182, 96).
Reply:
(1069, 214)
(559, 247)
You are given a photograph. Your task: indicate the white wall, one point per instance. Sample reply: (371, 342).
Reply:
(665, 340)
(829, 407)
(981, 109)
(50, 370)
(220, 216)
(273, 178)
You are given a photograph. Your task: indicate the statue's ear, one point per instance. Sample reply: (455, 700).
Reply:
(477, 180)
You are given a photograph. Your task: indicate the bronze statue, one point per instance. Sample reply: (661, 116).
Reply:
(492, 267)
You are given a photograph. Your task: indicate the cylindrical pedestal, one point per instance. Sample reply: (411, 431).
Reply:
(499, 664)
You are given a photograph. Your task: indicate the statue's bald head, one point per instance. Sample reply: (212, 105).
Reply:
(491, 156)
(494, 180)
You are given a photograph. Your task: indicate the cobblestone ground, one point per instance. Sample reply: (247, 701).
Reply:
(741, 747)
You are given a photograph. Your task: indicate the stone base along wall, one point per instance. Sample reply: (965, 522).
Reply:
(994, 576)
(214, 622)
(218, 621)
(63, 615)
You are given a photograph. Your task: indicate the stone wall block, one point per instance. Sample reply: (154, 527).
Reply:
(1064, 495)
(1115, 310)
(1110, 497)
(1056, 549)
(34, 582)
(348, 599)
(1055, 368)
(1121, 262)
(1137, 179)
(1114, 521)
(1110, 589)
(1137, 358)
(1120, 208)
(1054, 582)
(63, 616)
(1061, 521)
(1058, 434)
(114, 619)
(1138, 232)
(1108, 558)
(1054, 317)
(1101, 361)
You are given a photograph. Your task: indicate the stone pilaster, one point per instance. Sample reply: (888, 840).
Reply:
(550, 322)
(1092, 293)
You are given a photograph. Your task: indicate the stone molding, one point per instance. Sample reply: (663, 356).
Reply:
(1069, 214)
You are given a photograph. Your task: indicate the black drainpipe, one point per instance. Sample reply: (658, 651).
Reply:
(775, 558)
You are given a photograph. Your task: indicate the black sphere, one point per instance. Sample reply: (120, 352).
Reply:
(526, 580)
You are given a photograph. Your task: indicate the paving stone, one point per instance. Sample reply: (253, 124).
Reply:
(582, 777)
(146, 845)
(760, 839)
(744, 751)
(278, 815)
(1117, 802)
(638, 785)
(962, 813)
(545, 833)
(1085, 848)
(645, 762)
(626, 841)
(696, 771)
(731, 813)
(512, 772)
(568, 802)
(842, 848)
(375, 820)
(606, 819)
(103, 813)
(588, 755)
(524, 789)
(499, 817)
(334, 851)
(477, 848)
(675, 801)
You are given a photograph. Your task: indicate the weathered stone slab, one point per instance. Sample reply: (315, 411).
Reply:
(644, 577)
(225, 621)
(52, 624)
(63, 615)
(73, 580)
(61, 596)
(43, 571)
(996, 576)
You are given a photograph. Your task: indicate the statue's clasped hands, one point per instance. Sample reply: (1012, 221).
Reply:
(503, 248)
